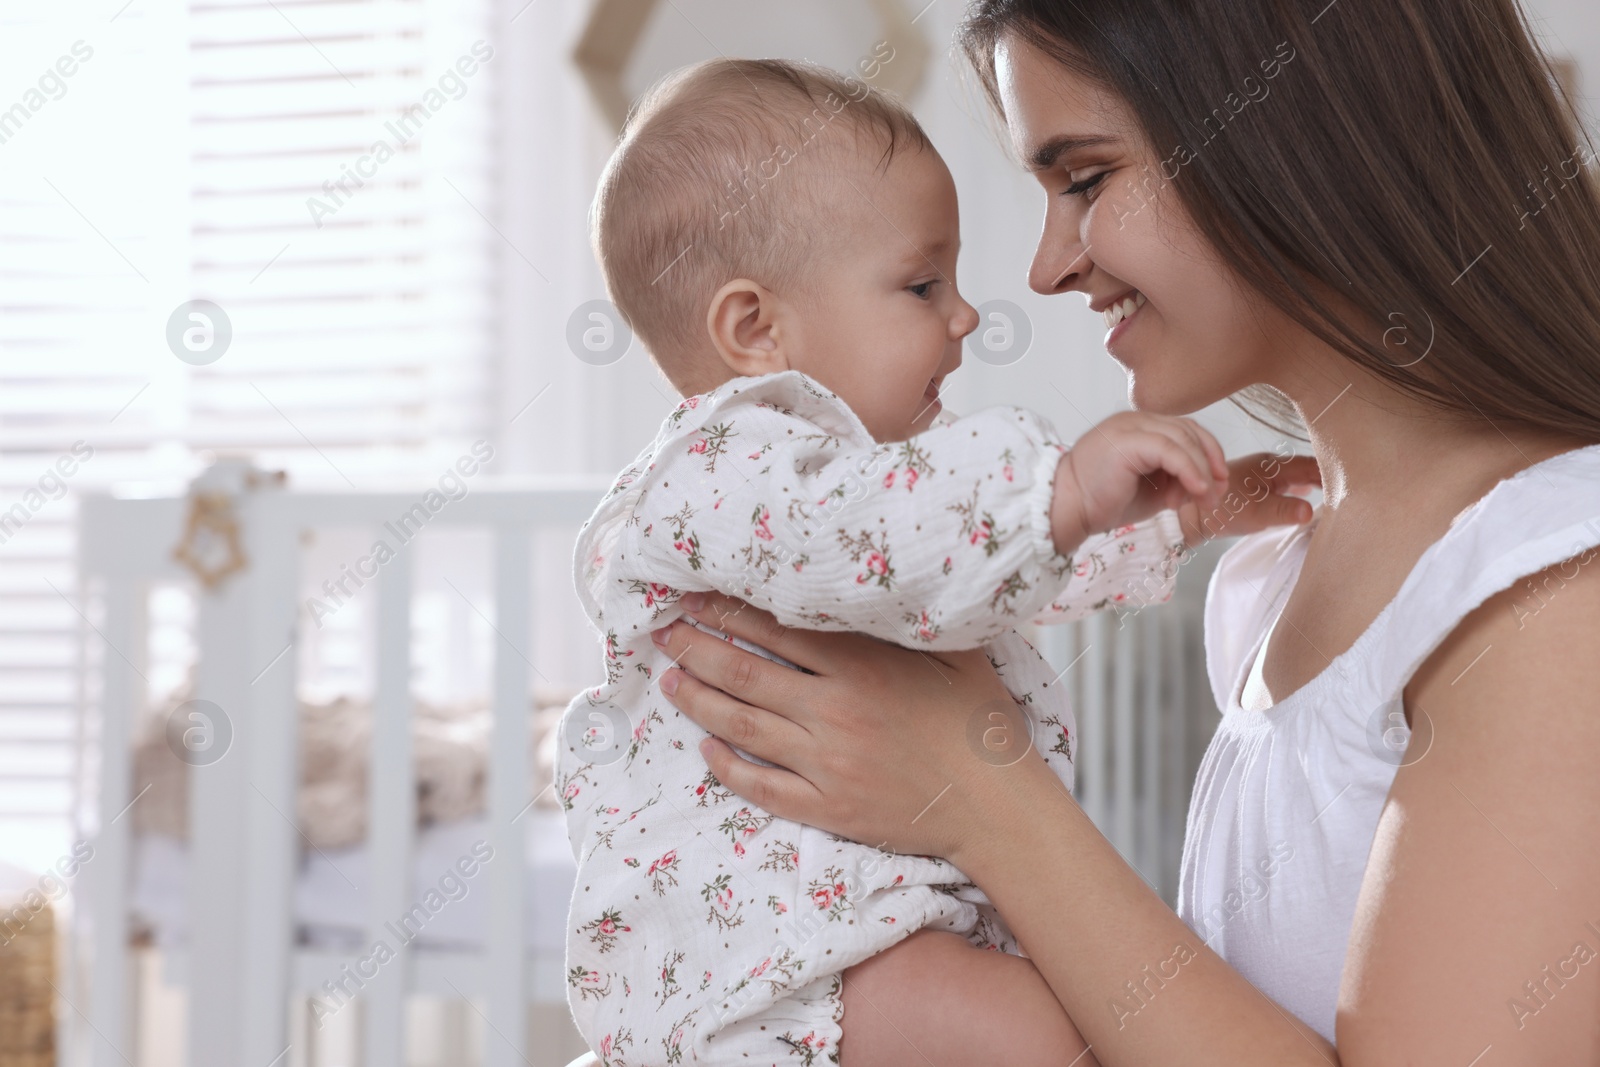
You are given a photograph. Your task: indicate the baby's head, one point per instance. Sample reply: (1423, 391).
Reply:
(765, 215)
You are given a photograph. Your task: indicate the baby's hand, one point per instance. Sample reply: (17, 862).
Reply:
(1260, 494)
(1129, 467)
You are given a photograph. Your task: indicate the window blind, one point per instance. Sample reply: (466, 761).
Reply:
(324, 173)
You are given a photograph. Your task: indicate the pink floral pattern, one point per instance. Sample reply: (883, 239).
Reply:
(937, 542)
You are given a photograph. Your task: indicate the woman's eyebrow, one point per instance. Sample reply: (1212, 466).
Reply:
(1045, 155)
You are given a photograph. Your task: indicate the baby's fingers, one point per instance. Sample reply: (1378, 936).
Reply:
(1174, 451)
(1210, 445)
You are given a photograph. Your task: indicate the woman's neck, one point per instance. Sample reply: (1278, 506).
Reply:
(1384, 453)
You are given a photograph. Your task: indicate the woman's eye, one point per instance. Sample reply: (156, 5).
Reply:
(922, 289)
(1079, 188)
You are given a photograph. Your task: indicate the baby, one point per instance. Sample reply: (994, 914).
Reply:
(784, 240)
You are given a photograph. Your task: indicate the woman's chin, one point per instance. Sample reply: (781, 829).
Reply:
(1148, 392)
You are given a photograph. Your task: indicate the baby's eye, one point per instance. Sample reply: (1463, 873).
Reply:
(922, 289)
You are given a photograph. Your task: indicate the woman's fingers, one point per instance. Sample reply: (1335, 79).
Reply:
(755, 730)
(743, 676)
(1299, 471)
(806, 648)
(781, 792)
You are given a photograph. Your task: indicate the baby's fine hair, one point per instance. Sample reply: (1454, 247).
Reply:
(716, 176)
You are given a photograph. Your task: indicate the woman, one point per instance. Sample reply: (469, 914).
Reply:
(1374, 214)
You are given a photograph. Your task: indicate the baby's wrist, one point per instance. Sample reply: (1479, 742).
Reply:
(1069, 519)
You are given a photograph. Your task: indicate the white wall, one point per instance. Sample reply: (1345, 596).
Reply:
(1572, 28)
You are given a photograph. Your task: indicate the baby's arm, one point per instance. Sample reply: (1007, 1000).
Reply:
(936, 994)
(1128, 568)
(1137, 564)
(945, 540)
(925, 541)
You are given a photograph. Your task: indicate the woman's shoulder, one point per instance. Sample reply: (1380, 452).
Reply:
(1546, 517)
(1491, 808)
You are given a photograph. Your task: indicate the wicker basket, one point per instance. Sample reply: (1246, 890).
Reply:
(27, 971)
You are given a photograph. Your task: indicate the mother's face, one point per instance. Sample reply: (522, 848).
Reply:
(1114, 226)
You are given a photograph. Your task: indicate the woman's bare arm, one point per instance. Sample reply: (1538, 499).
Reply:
(1482, 875)
(1485, 873)
(908, 777)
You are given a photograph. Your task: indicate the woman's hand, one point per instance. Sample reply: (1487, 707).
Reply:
(1262, 491)
(887, 746)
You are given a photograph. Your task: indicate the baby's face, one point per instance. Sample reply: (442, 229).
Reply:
(887, 324)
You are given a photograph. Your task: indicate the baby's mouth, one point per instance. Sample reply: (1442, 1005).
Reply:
(1123, 309)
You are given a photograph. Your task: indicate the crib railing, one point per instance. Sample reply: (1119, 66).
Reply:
(241, 962)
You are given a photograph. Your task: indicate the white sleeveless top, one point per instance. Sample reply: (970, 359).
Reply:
(1287, 800)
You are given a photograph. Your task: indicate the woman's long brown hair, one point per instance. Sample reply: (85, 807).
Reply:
(1415, 157)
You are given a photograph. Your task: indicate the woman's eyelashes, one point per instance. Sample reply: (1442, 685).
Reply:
(1081, 187)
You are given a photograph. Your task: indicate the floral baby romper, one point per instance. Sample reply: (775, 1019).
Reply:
(702, 928)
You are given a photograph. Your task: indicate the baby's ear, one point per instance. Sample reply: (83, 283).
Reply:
(742, 321)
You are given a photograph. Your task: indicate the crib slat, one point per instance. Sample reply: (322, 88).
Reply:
(221, 796)
(272, 759)
(391, 822)
(108, 868)
(505, 1045)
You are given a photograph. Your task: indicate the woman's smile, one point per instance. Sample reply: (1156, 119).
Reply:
(1120, 313)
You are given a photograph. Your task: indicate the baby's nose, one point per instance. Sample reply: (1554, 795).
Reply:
(964, 321)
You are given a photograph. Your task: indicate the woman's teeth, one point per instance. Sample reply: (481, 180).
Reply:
(1123, 308)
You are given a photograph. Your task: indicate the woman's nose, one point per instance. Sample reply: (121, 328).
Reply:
(1061, 261)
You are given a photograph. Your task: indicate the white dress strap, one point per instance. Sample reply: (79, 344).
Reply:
(1542, 515)
(1248, 587)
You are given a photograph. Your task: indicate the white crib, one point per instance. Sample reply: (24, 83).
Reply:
(242, 961)
(1144, 713)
